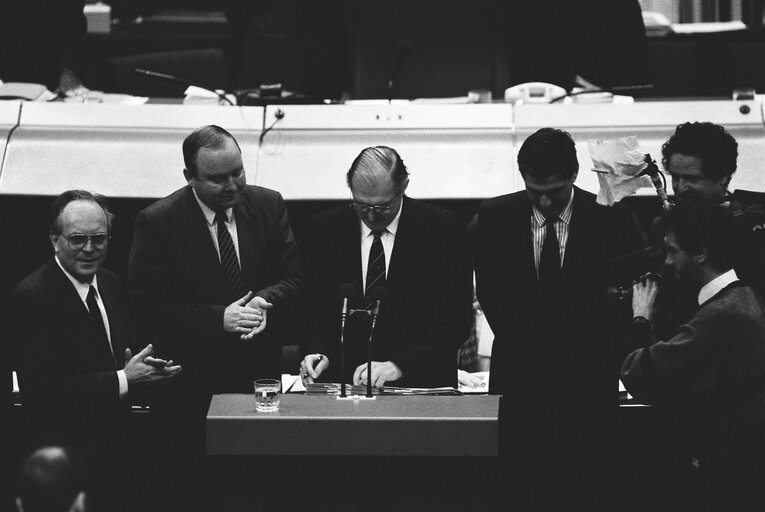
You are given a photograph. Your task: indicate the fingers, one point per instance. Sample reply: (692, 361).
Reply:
(357, 375)
(128, 355)
(146, 352)
(244, 300)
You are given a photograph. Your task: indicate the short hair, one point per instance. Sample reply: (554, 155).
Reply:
(208, 137)
(697, 225)
(716, 148)
(381, 156)
(548, 152)
(77, 195)
(50, 480)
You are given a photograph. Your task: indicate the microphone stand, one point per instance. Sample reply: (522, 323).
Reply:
(343, 316)
(375, 312)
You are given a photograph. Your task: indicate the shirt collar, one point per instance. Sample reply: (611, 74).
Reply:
(390, 228)
(714, 286)
(81, 288)
(564, 215)
(209, 213)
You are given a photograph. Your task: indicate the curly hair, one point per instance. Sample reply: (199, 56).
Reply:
(716, 148)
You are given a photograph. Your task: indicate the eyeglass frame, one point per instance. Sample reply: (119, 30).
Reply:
(88, 238)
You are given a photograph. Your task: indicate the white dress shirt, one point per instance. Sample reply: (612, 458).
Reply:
(388, 238)
(212, 227)
(82, 290)
(714, 286)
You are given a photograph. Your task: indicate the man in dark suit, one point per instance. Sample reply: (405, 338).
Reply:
(418, 253)
(75, 368)
(540, 259)
(208, 263)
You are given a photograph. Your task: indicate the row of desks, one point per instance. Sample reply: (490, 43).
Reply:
(453, 151)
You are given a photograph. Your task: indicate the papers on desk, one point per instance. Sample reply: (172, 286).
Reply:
(292, 383)
(333, 388)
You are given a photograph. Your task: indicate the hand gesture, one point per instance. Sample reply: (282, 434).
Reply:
(143, 367)
(262, 305)
(312, 366)
(644, 293)
(239, 318)
(382, 372)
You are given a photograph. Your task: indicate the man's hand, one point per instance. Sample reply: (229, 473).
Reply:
(381, 373)
(644, 293)
(312, 366)
(470, 381)
(262, 305)
(240, 318)
(143, 367)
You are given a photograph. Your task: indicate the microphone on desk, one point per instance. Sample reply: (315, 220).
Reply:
(404, 50)
(182, 81)
(346, 291)
(377, 295)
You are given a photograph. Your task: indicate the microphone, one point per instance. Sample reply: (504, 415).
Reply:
(346, 291)
(182, 81)
(404, 49)
(377, 295)
(658, 180)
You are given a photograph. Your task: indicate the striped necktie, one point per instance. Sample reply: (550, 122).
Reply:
(376, 266)
(230, 265)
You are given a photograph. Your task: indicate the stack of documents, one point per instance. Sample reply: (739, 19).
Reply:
(333, 388)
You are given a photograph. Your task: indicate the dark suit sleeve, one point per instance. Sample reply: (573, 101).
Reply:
(447, 308)
(153, 292)
(46, 371)
(283, 258)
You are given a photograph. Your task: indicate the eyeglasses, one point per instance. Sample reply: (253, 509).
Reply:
(77, 241)
(375, 208)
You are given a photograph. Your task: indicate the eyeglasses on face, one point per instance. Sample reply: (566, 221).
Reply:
(374, 208)
(78, 241)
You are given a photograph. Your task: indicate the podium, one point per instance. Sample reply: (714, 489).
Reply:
(390, 453)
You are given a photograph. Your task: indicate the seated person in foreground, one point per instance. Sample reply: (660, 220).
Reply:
(52, 479)
(417, 253)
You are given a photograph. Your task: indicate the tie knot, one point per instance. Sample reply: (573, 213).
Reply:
(92, 292)
(220, 217)
(379, 233)
(549, 221)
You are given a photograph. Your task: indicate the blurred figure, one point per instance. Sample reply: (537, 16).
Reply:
(52, 479)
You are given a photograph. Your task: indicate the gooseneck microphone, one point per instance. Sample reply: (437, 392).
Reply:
(377, 295)
(658, 180)
(182, 81)
(346, 291)
(404, 50)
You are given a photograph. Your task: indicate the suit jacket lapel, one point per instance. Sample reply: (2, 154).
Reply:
(76, 313)
(577, 244)
(520, 241)
(116, 321)
(251, 243)
(204, 259)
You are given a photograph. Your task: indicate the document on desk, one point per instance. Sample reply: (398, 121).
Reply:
(292, 384)
(333, 388)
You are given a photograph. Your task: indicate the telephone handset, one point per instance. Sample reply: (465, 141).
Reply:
(533, 92)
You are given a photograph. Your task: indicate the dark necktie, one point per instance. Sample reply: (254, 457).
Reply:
(549, 261)
(95, 316)
(232, 274)
(376, 265)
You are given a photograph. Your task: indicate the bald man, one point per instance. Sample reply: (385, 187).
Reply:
(417, 253)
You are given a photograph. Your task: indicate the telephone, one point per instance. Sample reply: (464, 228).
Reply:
(533, 92)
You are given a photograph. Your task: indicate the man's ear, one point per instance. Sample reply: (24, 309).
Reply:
(702, 256)
(188, 176)
(404, 184)
(53, 239)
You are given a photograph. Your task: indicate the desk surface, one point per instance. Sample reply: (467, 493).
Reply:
(457, 426)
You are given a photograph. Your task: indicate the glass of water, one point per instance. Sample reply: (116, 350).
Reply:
(267, 393)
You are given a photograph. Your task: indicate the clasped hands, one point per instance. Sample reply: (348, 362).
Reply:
(382, 371)
(247, 316)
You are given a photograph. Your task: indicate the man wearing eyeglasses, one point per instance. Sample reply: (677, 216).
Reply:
(74, 338)
(417, 253)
